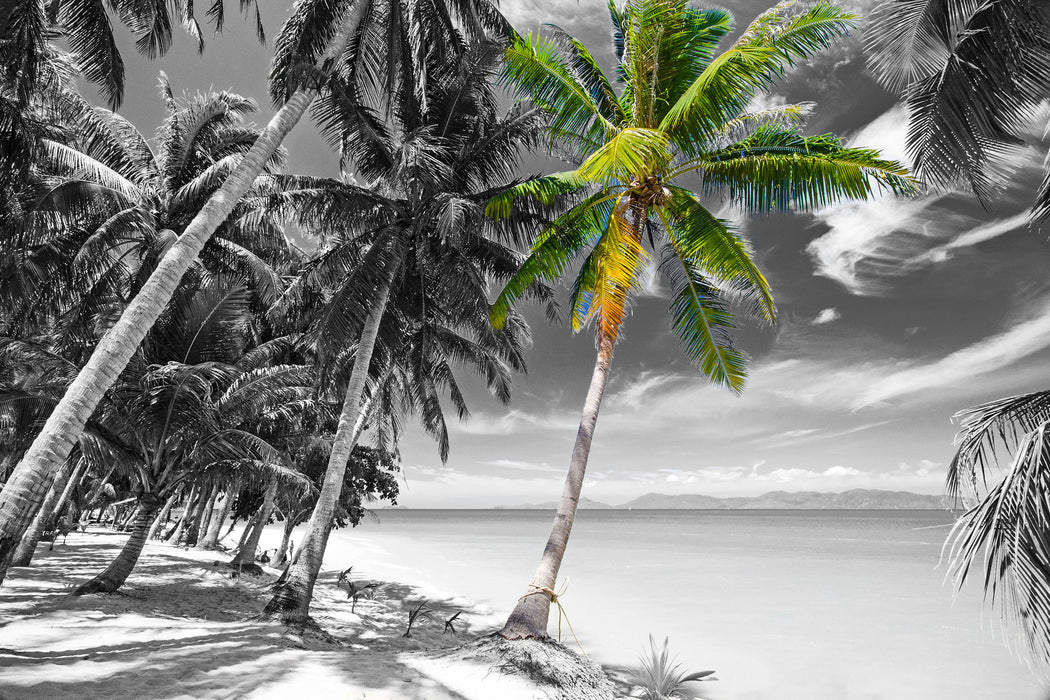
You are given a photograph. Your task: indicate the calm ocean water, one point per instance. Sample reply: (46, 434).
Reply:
(784, 605)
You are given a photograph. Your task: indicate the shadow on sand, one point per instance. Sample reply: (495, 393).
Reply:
(183, 628)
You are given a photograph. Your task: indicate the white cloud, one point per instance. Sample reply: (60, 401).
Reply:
(828, 315)
(960, 367)
(841, 471)
(870, 243)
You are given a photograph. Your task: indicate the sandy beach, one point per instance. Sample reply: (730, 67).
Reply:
(183, 627)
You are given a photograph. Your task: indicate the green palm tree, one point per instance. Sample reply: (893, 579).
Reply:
(412, 248)
(679, 129)
(972, 74)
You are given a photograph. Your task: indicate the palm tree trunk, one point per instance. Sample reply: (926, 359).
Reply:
(211, 537)
(120, 568)
(206, 515)
(44, 517)
(191, 502)
(291, 600)
(282, 552)
(528, 620)
(162, 518)
(246, 553)
(194, 523)
(125, 520)
(25, 489)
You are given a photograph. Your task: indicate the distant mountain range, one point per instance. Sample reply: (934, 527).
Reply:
(854, 499)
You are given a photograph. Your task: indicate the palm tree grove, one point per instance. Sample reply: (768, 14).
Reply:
(295, 302)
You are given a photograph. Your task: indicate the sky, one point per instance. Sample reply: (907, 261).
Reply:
(893, 315)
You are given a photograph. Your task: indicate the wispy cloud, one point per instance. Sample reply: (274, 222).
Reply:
(870, 244)
(991, 354)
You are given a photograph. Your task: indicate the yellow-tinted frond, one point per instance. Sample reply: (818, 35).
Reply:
(630, 154)
(622, 258)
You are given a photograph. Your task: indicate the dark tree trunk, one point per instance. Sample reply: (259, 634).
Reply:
(118, 571)
(528, 620)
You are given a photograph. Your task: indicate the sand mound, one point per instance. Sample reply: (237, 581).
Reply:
(528, 669)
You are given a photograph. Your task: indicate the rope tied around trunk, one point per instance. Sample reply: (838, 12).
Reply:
(555, 598)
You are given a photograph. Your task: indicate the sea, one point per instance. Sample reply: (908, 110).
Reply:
(782, 605)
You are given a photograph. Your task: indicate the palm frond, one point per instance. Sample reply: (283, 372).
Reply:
(1007, 531)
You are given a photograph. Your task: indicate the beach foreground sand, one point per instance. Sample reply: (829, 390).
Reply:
(185, 627)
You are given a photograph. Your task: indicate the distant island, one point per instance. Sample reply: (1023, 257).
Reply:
(854, 499)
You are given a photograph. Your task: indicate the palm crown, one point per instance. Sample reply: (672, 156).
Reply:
(680, 129)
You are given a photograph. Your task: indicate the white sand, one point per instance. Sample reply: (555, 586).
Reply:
(183, 628)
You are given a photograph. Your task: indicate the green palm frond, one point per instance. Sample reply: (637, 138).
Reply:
(779, 169)
(711, 246)
(626, 156)
(669, 44)
(588, 73)
(703, 322)
(553, 250)
(540, 73)
(544, 189)
(774, 41)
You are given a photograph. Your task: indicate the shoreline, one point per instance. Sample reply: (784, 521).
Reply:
(186, 626)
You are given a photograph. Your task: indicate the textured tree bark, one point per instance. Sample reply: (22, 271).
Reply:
(529, 618)
(246, 552)
(25, 489)
(292, 595)
(114, 576)
(48, 510)
(206, 515)
(211, 537)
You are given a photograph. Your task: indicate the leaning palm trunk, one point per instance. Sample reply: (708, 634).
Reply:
(25, 489)
(291, 600)
(529, 617)
(246, 553)
(211, 537)
(44, 517)
(194, 523)
(118, 571)
(175, 535)
(161, 519)
(206, 516)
